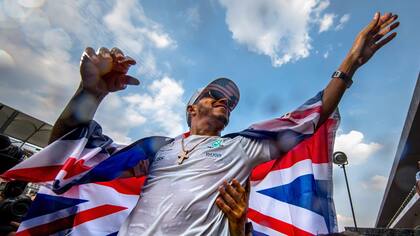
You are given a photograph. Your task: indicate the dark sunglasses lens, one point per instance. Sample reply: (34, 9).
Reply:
(216, 94)
(219, 95)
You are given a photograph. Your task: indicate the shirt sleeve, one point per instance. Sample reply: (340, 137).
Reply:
(257, 150)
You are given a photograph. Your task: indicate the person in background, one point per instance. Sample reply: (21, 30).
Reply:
(418, 178)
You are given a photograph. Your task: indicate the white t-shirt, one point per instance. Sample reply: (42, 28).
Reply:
(180, 199)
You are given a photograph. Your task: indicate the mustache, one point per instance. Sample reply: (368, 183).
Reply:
(218, 103)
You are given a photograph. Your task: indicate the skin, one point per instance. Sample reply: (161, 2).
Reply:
(209, 116)
(233, 201)
(106, 71)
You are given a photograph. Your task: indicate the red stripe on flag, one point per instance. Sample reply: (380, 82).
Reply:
(34, 174)
(304, 113)
(97, 212)
(131, 186)
(74, 167)
(260, 171)
(71, 221)
(275, 224)
(314, 148)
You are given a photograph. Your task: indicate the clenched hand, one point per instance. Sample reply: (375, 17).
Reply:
(105, 71)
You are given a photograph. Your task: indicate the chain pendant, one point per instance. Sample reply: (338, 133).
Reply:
(182, 156)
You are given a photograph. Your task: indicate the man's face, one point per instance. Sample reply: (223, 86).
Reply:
(214, 110)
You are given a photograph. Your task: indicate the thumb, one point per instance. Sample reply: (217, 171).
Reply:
(130, 80)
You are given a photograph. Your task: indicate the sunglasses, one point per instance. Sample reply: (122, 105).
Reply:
(216, 95)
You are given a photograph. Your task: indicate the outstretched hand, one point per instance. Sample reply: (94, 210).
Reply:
(105, 71)
(372, 38)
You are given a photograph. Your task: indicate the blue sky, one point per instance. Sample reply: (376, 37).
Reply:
(279, 52)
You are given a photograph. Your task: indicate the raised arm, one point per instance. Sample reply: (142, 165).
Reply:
(101, 73)
(366, 44)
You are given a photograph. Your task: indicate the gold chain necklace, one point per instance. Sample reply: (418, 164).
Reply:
(184, 154)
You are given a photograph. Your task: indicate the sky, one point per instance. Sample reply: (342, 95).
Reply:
(279, 52)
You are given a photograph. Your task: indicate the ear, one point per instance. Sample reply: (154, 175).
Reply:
(192, 110)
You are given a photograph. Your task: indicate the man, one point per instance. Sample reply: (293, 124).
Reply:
(184, 177)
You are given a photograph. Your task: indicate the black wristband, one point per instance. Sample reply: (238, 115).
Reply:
(248, 228)
(341, 75)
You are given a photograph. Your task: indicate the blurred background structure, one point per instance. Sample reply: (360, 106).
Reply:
(21, 136)
(400, 207)
(23, 128)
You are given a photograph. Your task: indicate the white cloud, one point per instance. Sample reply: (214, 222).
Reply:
(163, 107)
(275, 28)
(343, 20)
(118, 126)
(132, 28)
(136, 34)
(352, 144)
(147, 65)
(160, 40)
(326, 22)
(37, 41)
(326, 54)
(376, 183)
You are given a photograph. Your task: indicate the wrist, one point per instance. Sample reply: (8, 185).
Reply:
(86, 92)
(237, 229)
(348, 66)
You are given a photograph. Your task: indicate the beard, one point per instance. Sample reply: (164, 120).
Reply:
(207, 112)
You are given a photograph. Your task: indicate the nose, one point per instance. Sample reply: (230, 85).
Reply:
(223, 100)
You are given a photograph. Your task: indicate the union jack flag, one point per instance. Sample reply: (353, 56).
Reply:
(290, 195)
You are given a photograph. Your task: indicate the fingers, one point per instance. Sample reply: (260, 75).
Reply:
(373, 24)
(247, 188)
(119, 57)
(385, 31)
(118, 81)
(384, 21)
(121, 63)
(233, 192)
(117, 52)
(112, 65)
(89, 54)
(385, 25)
(388, 20)
(222, 205)
(129, 60)
(238, 187)
(227, 198)
(384, 41)
(104, 53)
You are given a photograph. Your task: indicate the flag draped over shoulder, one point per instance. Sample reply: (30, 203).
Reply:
(290, 195)
(293, 194)
(77, 196)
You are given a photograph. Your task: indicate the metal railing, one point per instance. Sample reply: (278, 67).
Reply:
(403, 205)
